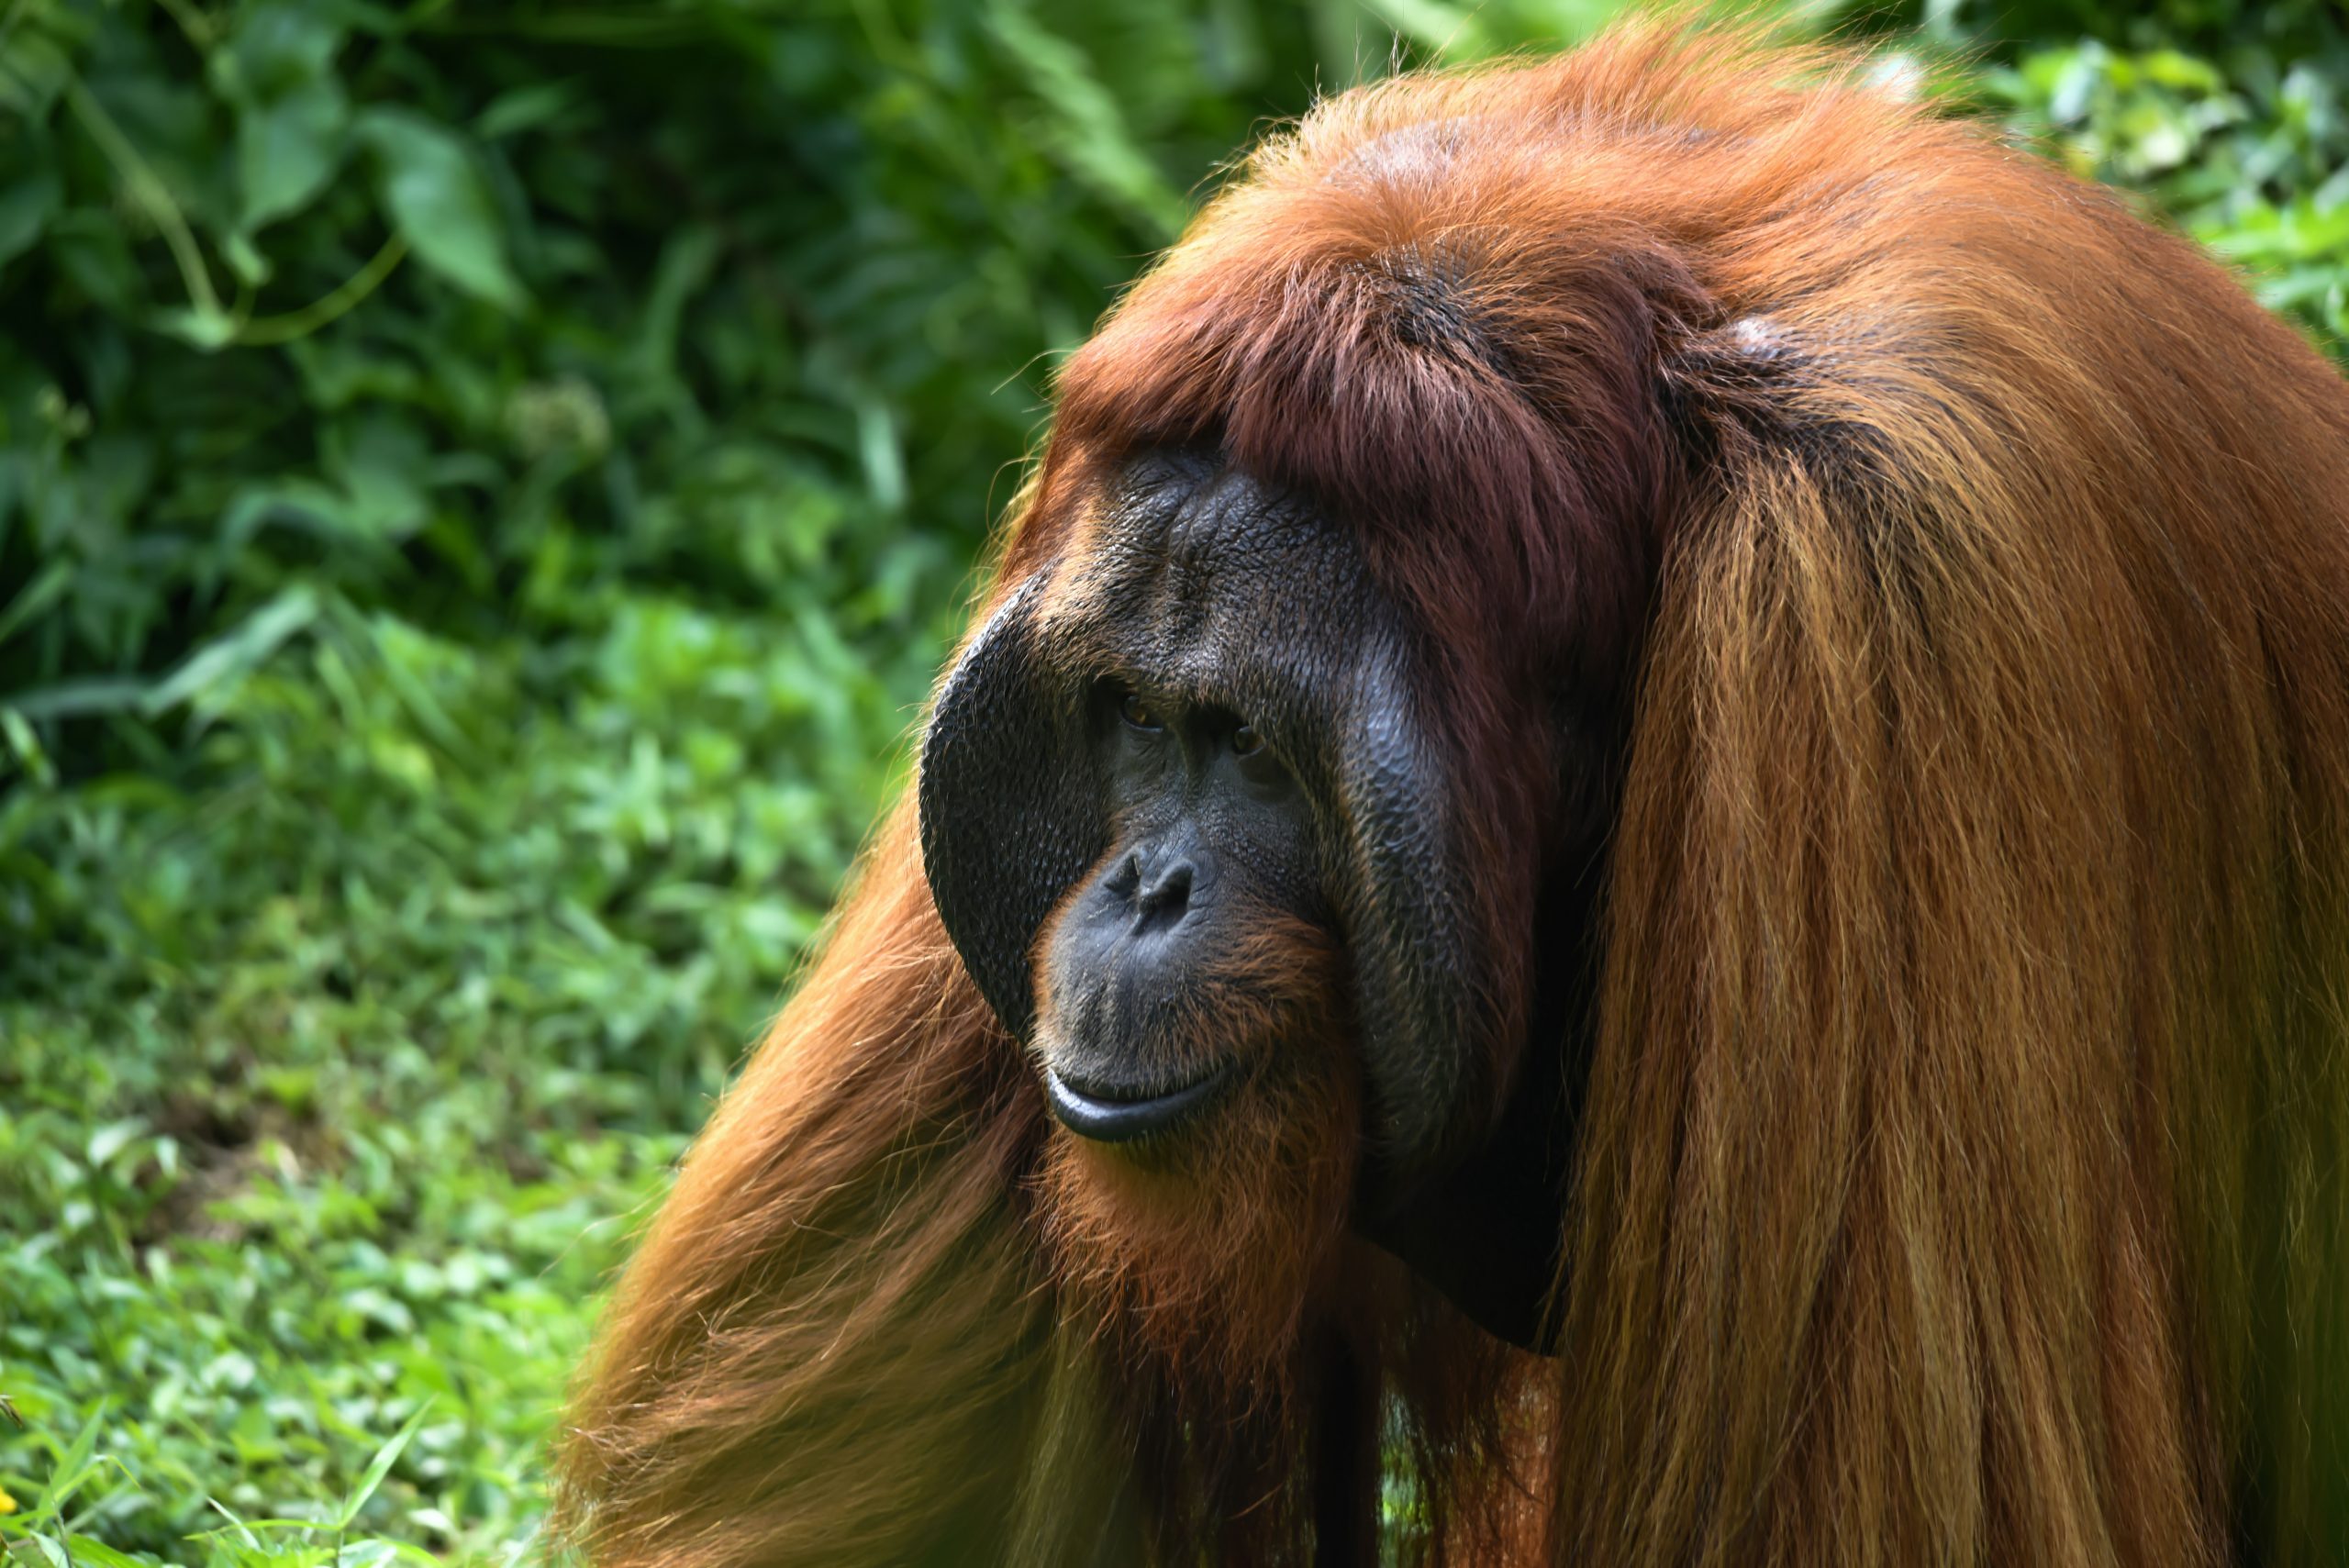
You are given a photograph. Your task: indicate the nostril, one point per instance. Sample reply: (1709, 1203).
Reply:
(1165, 896)
(1126, 880)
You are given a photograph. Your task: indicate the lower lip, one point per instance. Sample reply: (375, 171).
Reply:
(1122, 1121)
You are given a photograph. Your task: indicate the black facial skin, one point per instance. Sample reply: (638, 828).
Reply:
(1210, 720)
(1485, 1232)
(1211, 829)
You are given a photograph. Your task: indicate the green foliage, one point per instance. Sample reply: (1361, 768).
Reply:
(482, 490)
(2246, 147)
(481, 498)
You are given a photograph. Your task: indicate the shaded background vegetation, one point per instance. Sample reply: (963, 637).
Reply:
(482, 491)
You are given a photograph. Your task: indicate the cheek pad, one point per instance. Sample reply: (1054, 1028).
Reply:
(1010, 809)
(1419, 987)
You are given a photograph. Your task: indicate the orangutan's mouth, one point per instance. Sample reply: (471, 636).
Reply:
(1119, 1112)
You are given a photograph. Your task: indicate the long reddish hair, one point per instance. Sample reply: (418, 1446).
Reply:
(1960, 1174)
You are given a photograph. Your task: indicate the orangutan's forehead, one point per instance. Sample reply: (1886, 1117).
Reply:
(1197, 581)
(1189, 559)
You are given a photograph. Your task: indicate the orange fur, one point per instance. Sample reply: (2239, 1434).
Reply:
(1204, 1260)
(1960, 1175)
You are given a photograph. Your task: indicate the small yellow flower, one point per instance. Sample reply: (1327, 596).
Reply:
(8, 1504)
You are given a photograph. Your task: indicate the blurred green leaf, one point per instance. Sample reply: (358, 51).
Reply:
(1084, 123)
(279, 46)
(377, 1468)
(28, 199)
(211, 671)
(288, 148)
(438, 201)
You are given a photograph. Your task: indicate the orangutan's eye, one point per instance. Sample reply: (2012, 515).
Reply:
(1139, 713)
(1245, 741)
